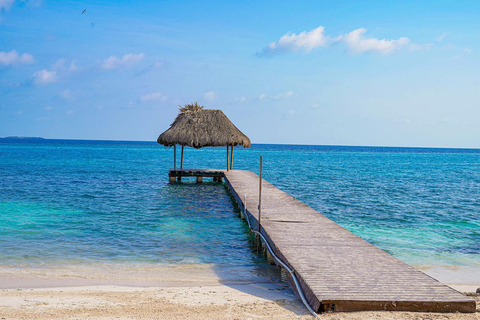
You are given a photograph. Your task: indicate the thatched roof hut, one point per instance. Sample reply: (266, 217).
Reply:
(203, 128)
(197, 127)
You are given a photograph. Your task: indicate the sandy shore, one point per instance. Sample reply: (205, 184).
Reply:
(188, 292)
(247, 301)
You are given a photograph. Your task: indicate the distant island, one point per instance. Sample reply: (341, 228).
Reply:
(22, 138)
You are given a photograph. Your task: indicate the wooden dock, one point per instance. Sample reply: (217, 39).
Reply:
(199, 174)
(337, 270)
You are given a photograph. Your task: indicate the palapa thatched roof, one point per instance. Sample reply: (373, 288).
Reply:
(203, 128)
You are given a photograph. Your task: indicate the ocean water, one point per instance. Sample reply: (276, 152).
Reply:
(81, 202)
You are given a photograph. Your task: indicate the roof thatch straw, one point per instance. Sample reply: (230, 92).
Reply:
(197, 127)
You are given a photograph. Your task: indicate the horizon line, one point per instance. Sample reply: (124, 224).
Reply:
(24, 138)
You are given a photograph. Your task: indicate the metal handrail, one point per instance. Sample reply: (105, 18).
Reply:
(277, 259)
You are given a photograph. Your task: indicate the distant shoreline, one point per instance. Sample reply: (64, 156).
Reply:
(22, 138)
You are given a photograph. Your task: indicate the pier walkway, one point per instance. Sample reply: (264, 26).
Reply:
(337, 270)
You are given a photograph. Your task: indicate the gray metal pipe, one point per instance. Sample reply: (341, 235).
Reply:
(277, 260)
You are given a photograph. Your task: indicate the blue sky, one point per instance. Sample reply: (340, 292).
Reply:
(387, 73)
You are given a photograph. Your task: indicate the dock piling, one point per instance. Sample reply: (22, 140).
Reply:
(228, 163)
(181, 161)
(258, 242)
(175, 157)
(270, 259)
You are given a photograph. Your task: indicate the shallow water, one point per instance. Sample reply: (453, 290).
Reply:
(80, 202)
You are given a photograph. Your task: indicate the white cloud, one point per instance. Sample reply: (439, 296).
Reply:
(150, 67)
(264, 97)
(13, 57)
(66, 94)
(305, 41)
(6, 4)
(209, 96)
(449, 47)
(60, 69)
(127, 60)
(61, 65)
(417, 47)
(283, 95)
(358, 43)
(156, 96)
(315, 105)
(45, 77)
(465, 51)
(442, 36)
(290, 113)
(401, 121)
(241, 99)
(73, 66)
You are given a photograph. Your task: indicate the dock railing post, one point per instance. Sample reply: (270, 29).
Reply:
(259, 240)
(260, 197)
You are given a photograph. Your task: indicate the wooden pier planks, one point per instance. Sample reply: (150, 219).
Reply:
(339, 271)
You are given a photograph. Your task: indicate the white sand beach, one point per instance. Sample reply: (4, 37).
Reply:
(186, 292)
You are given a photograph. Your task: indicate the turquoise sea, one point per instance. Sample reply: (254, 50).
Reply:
(65, 202)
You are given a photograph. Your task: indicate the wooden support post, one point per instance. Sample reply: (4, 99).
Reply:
(181, 161)
(259, 243)
(227, 159)
(270, 258)
(175, 157)
(199, 179)
(231, 159)
(171, 178)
